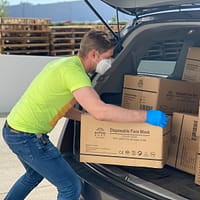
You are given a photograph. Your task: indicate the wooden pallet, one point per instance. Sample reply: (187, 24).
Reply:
(24, 36)
(24, 40)
(26, 21)
(37, 36)
(104, 28)
(44, 52)
(24, 27)
(67, 38)
(64, 40)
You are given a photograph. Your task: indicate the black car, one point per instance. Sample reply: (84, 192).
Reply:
(155, 42)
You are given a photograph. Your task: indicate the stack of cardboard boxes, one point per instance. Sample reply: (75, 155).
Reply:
(142, 92)
(184, 142)
(140, 144)
(180, 99)
(192, 65)
(188, 158)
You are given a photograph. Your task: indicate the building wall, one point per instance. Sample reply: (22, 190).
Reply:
(16, 72)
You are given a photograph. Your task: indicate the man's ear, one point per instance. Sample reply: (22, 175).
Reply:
(92, 54)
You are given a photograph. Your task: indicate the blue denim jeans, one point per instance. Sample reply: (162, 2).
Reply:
(41, 159)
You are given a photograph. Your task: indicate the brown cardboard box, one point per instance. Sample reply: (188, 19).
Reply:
(198, 127)
(183, 145)
(197, 171)
(193, 53)
(143, 92)
(192, 65)
(129, 144)
(177, 121)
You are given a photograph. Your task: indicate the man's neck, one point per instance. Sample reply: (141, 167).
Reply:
(84, 61)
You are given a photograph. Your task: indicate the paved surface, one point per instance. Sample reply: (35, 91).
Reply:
(11, 169)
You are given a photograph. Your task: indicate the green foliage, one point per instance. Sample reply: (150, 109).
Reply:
(114, 20)
(3, 4)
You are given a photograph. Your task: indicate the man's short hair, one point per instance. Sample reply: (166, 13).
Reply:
(98, 40)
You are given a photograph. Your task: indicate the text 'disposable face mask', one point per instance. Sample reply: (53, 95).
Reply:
(104, 65)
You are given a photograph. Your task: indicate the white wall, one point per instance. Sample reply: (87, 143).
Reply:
(16, 72)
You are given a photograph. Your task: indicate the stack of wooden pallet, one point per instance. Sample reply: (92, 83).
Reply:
(35, 36)
(113, 26)
(65, 40)
(24, 36)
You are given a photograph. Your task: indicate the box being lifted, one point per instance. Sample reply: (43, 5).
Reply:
(143, 92)
(129, 144)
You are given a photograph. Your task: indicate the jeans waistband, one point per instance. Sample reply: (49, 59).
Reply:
(14, 130)
(39, 135)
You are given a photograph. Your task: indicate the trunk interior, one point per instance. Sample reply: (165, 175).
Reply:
(165, 43)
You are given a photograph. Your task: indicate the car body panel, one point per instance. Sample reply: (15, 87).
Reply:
(141, 7)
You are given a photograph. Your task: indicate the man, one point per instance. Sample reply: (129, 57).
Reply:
(50, 96)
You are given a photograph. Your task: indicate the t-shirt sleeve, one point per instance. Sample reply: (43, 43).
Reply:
(75, 78)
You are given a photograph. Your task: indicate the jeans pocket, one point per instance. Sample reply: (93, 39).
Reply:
(18, 143)
(21, 149)
(46, 151)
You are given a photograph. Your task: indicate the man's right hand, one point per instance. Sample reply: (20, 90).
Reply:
(157, 118)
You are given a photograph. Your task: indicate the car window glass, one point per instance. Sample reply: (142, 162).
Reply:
(160, 58)
(156, 67)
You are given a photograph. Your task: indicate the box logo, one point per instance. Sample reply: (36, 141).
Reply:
(140, 83)
(170, 95)
(99, 133)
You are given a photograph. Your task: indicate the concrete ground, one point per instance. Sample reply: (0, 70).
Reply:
(11, 169)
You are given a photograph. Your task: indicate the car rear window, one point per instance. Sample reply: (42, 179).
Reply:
(160, 58)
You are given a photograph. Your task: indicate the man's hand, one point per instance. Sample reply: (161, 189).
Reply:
(73, 114)
(157, 118)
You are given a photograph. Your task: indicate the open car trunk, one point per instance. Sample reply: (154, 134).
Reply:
(157, 49)
(159, 43)
(162, 42)
(169, 44)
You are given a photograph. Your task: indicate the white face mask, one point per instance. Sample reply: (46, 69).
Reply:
(104, 65)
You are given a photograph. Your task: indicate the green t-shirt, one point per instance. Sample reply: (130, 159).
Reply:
(49, 96)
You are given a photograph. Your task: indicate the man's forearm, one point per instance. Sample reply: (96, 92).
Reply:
(111, 112)
(91, 102)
